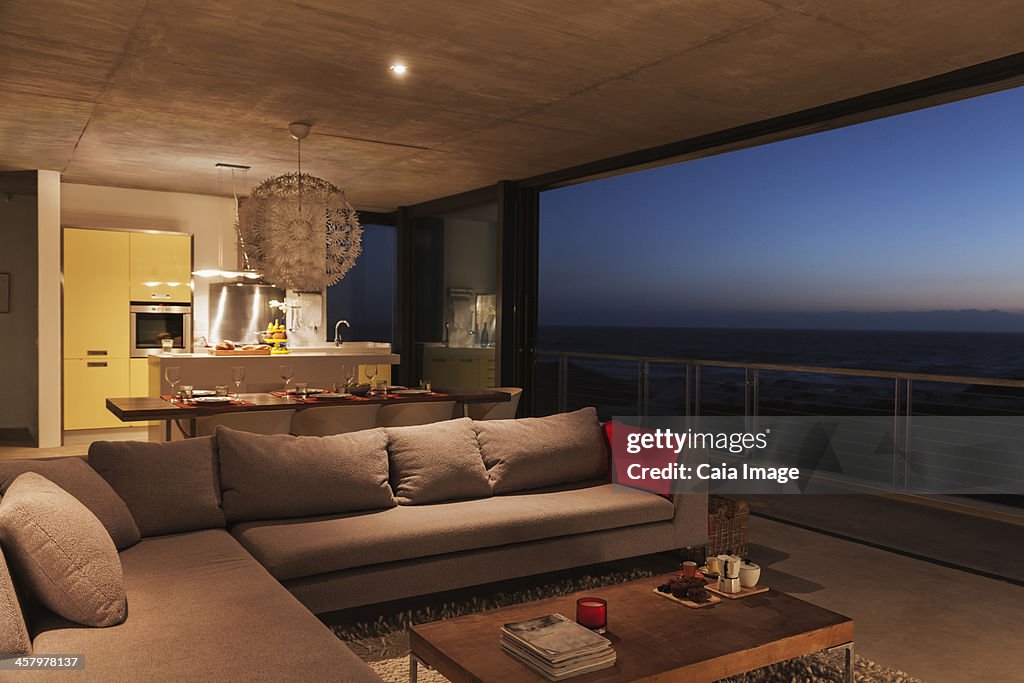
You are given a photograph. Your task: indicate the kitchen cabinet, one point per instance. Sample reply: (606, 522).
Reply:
(160, 267)
(104, 270)
(95, 294)
(139, 382)
(138, 377)
(470, 368)
(87, 384)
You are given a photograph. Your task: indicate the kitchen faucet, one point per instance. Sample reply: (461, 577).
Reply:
(337, 337)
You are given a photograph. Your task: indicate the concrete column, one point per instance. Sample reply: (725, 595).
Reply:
(49, 332)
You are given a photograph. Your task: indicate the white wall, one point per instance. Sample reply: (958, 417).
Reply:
(209, 219)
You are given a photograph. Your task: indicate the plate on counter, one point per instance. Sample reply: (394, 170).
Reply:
(212, 400)
(307, 392)
(327, 395)
(410, 392)
(199, 393)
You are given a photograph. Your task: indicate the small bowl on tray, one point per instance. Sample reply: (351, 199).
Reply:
(358, 389)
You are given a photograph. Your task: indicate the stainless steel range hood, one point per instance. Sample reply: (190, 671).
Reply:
(239, 310)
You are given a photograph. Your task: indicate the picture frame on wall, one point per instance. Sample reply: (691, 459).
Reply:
(5, 292)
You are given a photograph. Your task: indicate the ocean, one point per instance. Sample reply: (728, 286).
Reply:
(969, 354)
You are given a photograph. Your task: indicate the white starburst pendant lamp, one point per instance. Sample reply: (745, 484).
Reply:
(299, 230)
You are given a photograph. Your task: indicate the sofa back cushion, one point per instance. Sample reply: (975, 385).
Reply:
(169, 487)
(13, 634)
(76, 477)
(278, 476)
(535, 452)
(62, 552)
(436, 462)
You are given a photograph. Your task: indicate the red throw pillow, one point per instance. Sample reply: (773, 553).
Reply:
(617, 435)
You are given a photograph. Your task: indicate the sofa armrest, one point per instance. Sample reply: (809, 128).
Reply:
(690, 520)
(690, 499)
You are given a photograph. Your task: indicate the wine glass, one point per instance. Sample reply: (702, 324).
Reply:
(286, 372)
(346, 378)
(237, 375)
(173, 376)
(371, 372)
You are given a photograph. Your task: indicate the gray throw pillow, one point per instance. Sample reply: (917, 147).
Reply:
(278, 476)
(13, 633)
(535, 452)
(62, 552)
(435, 462)
(169, 487)
(76, 477)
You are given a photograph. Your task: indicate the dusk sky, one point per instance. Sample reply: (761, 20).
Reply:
(916, 212)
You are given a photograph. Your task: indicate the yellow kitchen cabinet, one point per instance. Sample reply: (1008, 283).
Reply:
(161, 267)
(138, 382)
(96, 303)
(88, 382)
(383, 373)
(138, 376)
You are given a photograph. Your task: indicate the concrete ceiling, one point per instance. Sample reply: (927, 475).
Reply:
(151, 95)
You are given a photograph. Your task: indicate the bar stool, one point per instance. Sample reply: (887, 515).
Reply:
(407, 414)
(496, 411)
(334, 420)
(262, 422)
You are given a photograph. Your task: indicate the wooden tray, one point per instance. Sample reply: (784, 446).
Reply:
(239, 352)
(744, 592)
(713, 600)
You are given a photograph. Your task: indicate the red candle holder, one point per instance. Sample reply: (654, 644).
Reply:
(592, 613)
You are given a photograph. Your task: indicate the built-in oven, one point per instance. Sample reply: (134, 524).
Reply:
(152, 323)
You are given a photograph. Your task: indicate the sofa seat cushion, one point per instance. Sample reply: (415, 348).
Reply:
(298, 548)
(203, 610)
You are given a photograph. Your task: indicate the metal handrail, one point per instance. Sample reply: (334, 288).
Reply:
(785, 367)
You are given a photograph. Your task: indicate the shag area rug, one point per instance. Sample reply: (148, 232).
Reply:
(384, 642)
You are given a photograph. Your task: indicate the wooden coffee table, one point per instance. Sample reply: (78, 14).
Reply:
(654, 638)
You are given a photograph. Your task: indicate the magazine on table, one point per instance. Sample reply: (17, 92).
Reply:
(554, 637)
(574, 667)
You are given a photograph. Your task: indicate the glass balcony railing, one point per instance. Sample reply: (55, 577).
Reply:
(900, 431)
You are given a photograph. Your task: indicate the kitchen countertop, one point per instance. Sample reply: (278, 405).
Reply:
(320, 366)
(357, 349)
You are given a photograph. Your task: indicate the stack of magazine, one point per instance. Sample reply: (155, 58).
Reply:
(556, 647)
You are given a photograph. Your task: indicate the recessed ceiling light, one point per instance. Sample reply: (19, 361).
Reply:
(398, 68)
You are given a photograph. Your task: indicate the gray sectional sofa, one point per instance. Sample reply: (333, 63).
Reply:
(230, 544)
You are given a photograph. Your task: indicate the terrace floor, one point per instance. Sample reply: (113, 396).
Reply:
(933, 622)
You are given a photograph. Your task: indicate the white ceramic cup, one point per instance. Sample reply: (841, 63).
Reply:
(712, 564)
(750, 574)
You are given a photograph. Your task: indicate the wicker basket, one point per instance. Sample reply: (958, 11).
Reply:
(727, 526)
